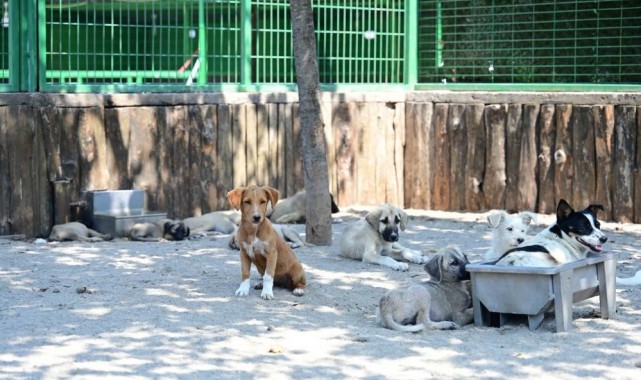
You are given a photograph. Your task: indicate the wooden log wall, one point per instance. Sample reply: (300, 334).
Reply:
(524, 157)
(416, 150)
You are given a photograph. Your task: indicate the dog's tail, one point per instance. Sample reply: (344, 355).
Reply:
(630, 281)
(386, 320)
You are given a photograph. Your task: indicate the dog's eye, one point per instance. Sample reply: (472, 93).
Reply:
(247, 202)
(454, 262)
(597, 224)
(510, 229)
(385, 220)
(397, 220)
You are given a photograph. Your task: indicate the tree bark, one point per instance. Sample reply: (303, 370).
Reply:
(317, 214)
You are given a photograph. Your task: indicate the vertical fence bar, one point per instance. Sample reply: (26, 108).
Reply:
(42, 43)
(245, 44)
(202, 43)
(411, 42)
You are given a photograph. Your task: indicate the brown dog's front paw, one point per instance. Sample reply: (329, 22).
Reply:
(298, 292)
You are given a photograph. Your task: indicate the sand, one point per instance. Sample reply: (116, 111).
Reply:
(167, 310)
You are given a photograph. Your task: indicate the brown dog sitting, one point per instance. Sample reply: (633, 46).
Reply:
(261, 245)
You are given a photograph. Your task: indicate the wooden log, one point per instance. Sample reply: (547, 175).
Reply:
(21, 133)
(637, 172)
(623, 161)
(69, 147)
(205, 123)
(495, 181)
(458, 155)
(144, 156)
(330, 145)
(545, 167)
(441, 192)
(475, 157)
(239, 137)
(50, 122)
(94, 174)
(251, 145)
(272, 159)
(43, 195)
(5, 174)
(163, 191)
(284, 118)
(526, 179)
(346, 142)
(193, 185)
(288, 153)
(563, 159)
(419, 150)
(262, 145)
(584, 183)
(513, 132)
(386, 169)
(366, 125)
(225, 155)
(383, 170)
(603, 139)
(117, 136)
(298, 179)
(399, 151)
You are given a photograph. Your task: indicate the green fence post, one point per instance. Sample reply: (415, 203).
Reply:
(411, 43)
(245, 44)
(202, 43)
(27, 48)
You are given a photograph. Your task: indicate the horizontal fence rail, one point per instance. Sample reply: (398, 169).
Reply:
(427, 154)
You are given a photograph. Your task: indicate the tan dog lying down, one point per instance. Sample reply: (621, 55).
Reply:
(165, 229)
(374, 239)
(223, 222)
(444, 302)
(261, 245)
(292, 209)
(76, 231)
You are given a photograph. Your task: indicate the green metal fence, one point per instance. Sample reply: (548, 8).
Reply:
(530, 42)
(242, 44)
(193, 45)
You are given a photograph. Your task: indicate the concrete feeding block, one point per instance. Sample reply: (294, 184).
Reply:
(114, 212)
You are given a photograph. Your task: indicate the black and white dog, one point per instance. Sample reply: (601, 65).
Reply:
(574, 234)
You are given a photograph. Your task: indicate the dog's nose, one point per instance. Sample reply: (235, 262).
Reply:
(520, 240)
(603, 239)
(256, 218)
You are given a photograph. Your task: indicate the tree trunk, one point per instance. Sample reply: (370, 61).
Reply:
(317, 214)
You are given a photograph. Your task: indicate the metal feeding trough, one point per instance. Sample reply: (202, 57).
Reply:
(114, 212)
(501, 291)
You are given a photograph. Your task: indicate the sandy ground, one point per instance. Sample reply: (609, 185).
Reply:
(167, 311)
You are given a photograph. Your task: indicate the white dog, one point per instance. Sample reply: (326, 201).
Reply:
(374, 239)
(508, 231)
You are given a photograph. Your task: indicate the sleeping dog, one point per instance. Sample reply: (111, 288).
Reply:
(164, 229)
(571, 238)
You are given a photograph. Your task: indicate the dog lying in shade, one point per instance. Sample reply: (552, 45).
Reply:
(76, 231)
(442, 303)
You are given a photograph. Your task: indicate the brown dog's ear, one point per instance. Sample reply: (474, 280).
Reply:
(273, 194)
(373, 217)
(433, 267)
(235, 196)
